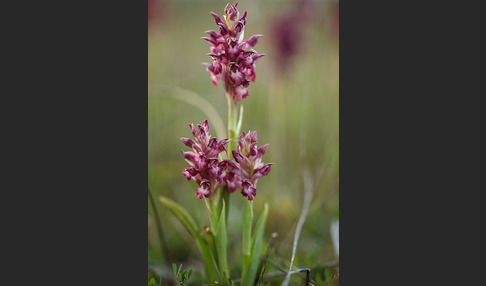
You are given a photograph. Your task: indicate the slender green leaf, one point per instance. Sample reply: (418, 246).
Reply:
(179, 275)
(222, 243)
(249, 276)
(225, 279)
(210, 267)
(174, 268)
(328, 273)
(182, 215)
(319, 280)
(210, 236)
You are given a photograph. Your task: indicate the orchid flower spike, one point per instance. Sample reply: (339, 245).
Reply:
(233, 59)
(248, 165)
(205, 168)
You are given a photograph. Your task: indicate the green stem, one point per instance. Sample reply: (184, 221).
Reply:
(226, 197)
(251, 269)
(216, 204)
(217, 235)
(221, 245)
(247, 241)
(247, 222)
(212, 215)
(232, 124)
(220, 203)
(210, 267)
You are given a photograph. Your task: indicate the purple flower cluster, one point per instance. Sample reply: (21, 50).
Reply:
(248, 166)
(206, 169)
(210, 173)
(233, 60)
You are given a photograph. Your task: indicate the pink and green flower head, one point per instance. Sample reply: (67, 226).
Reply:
(233, 59)
(205, 168)
(248, 166)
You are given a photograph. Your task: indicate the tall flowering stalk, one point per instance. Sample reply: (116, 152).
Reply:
(233, 61)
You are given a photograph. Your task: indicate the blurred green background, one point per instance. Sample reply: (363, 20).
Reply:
(293, 105)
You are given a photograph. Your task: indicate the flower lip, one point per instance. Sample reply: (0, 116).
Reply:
(204, 191)
(248, 190)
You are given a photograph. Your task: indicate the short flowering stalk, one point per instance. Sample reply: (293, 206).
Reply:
(209, 173)
(232, 124)
(247, 241)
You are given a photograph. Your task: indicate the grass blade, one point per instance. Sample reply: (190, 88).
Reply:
(182, 215)
(196, 100)
(212, 271)
(328, 274)
(158, 223)
(308, 188)
(248, 278)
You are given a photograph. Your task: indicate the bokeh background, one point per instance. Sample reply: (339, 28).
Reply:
(293, 105)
